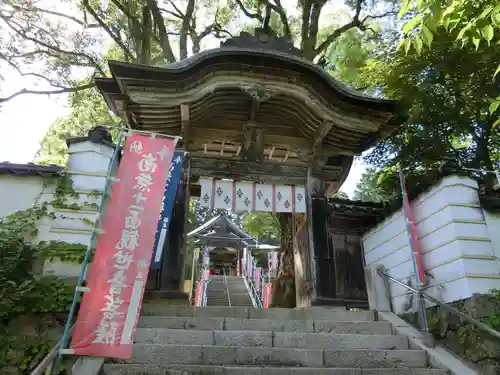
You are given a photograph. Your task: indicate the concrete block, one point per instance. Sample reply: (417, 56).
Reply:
(87, 366)
(171, 322)
(243, 338)
(379, 298)
(338, 341)
(312, 313)
(321, 326)
(438, 356)
(173, 336)
(152, 309)
(167, 354)
(116, 369)
(376, 358)
(298, 326)
(232, 324)
(225, 355)
(279, 357)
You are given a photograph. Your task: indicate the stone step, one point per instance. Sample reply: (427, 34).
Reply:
(312, 313)
(222, 292)
(253, 356)
(269, 339)
(234, 324)
(118, 369)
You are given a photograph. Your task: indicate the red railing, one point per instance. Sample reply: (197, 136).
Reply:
(255, 276)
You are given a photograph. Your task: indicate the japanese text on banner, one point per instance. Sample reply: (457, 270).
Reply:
(117, 276)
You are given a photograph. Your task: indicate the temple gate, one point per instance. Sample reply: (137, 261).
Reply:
(254, 111)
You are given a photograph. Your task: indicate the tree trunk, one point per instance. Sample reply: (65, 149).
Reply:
(283, 292)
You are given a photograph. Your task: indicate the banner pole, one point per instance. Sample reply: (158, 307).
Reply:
(88, 251)
(416, 254)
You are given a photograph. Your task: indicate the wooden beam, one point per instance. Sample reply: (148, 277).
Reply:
(321, 133)
(266, 171)
(253, 109)
(205, 148)
(253, 143)
(251, 171)
(231, 135)
(222, 149)
(271, 152)
(286, 156)
(238, 150)
(185, 122)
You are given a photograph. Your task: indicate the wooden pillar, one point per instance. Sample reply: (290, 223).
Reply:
(323, 274)
(311, 259)
(301, 258)
(171, 272)
(283, 291)
(187, 181)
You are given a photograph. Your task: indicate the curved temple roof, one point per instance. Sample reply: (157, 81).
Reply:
(253, 99)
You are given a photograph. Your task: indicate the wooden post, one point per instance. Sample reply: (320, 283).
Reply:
(170, 271)
(301, 263)
(309, 188)
(187, 180)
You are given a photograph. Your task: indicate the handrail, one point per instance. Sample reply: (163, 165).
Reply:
(48, 360)
(225, 284)
(255, 294)
(466, 317)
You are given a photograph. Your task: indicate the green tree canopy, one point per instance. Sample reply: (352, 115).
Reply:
(369, 189)
(447, 92)
(56, 44)
(262, 225)
(470, 23)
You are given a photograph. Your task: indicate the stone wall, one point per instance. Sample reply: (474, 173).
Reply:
(465, 339)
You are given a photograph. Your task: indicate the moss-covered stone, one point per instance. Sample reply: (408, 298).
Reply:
(463, 338)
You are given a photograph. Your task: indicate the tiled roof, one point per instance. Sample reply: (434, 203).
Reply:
(357, 208)
(98, 134)
(30, 169)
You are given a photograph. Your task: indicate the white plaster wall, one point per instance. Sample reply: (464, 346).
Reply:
(18, 193)
(456, 240)
(87, 165)
(88, 162)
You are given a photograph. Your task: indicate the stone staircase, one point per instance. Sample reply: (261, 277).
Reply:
(238, 293)
(182, 340)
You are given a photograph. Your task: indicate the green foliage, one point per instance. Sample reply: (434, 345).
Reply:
(446, 92)
(262, 225)
(29, 303)
(87, 110)
(349, 55)
(471, 24)
(370, 187)
(493, 319)
(341, 195)
(23, 296)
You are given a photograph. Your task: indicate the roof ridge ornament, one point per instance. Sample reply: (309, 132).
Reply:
(263, 39)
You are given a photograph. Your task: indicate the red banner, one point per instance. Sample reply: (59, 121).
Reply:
(117, 276)
(412, 234)
(258, 272)
(267, 295)
(198, 293)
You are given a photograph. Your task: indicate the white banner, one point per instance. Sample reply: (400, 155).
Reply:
(244, 196)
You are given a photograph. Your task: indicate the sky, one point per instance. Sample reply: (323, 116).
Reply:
(25, 119)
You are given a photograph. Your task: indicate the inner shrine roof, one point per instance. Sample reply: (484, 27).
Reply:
(221, 231)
